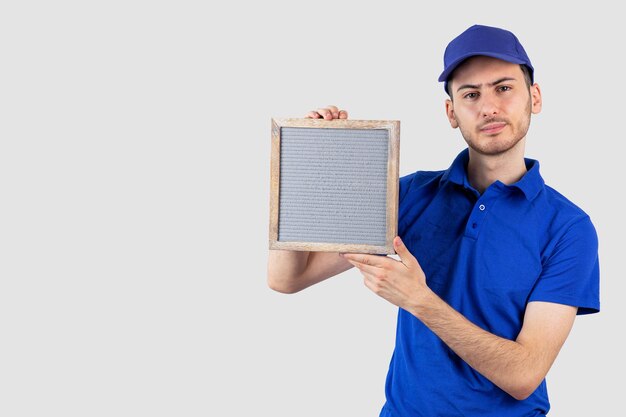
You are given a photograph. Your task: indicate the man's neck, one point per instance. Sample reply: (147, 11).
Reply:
(484, 170)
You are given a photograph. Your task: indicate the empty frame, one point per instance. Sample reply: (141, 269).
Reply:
(334, 185)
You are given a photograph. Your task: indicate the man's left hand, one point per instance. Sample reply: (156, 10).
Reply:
(399, 282)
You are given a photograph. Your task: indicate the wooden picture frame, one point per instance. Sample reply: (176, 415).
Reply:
(370, 148)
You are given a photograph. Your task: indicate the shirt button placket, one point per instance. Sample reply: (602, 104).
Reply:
(476, 220)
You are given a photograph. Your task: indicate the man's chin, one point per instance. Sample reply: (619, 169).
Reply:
(491, 150)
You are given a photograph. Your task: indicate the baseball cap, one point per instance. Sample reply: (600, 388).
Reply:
(487, 41)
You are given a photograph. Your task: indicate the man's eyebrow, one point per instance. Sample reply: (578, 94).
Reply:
(501, 80)
(477, 86)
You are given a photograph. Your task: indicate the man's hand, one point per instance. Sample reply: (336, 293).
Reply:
(327, 113)
(402, 282)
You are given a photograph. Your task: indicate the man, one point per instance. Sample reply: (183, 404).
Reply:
(494, 264)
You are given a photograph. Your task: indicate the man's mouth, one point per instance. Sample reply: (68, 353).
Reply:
(493, 128)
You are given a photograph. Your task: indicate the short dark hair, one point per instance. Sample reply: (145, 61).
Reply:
(525, 71)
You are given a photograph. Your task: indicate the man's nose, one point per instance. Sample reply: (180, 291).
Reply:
(489, 106)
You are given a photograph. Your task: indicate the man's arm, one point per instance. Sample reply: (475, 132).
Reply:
(517, 367)
(292, 271)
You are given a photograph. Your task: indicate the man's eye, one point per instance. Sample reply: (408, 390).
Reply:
(504, 88)
(471, 95)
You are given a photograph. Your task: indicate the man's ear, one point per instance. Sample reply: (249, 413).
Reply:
(535, 96)
(450, 113)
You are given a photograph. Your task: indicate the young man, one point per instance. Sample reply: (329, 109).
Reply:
(494, 264)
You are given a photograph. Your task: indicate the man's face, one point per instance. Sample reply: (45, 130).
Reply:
(491, 104)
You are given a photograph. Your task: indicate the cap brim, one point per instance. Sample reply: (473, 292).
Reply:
(446, 73)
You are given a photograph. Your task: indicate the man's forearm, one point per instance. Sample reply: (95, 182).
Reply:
(506, 363)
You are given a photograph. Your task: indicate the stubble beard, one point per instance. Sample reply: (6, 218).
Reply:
(498, 144)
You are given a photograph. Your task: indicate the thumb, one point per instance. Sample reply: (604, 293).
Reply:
(403, 252)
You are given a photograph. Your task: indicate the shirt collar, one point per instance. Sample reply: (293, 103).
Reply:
(530, 184)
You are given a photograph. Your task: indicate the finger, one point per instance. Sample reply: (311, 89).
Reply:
(365, 259)
(343, 114)
(403, 252)
(374, 285)
(334, 111)
(369, 283)
(365, 268)
(325, 113)
(312, 115)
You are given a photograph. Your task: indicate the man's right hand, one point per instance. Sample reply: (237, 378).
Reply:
(327, 113)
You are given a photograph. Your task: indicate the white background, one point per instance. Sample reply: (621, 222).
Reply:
(134, 194)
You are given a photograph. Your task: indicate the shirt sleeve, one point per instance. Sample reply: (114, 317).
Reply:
(571, 274)
(404, 185)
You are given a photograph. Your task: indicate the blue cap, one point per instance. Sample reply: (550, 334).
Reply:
(487, 41)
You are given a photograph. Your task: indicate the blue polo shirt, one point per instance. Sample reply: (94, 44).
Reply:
(487, 256)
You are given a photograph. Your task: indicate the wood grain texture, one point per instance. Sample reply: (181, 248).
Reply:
(331, 247)
(274, 182)
(393, 184)
(339, 123)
